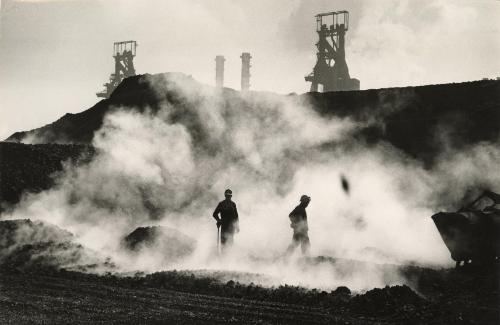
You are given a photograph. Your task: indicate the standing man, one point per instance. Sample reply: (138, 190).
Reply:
(298, 218)
(228, 220)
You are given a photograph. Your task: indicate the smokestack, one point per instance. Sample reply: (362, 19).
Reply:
(245, 71)
(219, 71)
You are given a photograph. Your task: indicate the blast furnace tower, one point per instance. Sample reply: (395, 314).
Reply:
(245, 71)
(219, 71)
(123, 53)
(331, 69)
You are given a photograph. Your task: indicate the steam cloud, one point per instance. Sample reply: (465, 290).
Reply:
(171, 166)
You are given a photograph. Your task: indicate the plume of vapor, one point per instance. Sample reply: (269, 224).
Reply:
(170, 166)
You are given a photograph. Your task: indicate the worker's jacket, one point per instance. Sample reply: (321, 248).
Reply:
(228, 214)
(298, 218)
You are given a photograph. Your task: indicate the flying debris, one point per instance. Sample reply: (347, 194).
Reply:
(345, 184)
(124, 53)
(331, 49)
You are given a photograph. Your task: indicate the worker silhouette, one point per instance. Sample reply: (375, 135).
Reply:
(298, 218)
(228, 220)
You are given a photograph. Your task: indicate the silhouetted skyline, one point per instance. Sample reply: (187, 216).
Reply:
(54, 55)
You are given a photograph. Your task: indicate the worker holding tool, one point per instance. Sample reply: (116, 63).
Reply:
(227, 221)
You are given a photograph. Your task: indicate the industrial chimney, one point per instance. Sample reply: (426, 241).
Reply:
(245, 71)
(219, 71)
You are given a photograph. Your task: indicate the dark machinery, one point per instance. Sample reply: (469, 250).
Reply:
(472, 234)
(331, 69)
(124, 53)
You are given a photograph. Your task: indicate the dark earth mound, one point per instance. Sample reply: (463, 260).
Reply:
(134, 93)
(25, 244)
(172, 243)
(25, 231)
(420, 121)
(32, 167)
(386, 302)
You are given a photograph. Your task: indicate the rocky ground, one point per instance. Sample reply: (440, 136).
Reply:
(78, 298)
(45, 277)
(52, 296)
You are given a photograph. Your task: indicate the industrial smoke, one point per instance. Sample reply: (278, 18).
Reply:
(170, 167)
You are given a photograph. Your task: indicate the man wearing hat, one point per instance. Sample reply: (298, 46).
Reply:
(298, 218)
(228, 220)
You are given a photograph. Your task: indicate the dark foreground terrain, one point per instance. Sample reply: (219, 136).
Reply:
(47, 278)
(80, 299)
(59, 297)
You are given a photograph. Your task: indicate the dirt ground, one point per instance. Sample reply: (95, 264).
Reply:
(61, 297)
(57, 300)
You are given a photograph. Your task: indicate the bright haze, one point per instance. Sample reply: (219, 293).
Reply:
(54, 55)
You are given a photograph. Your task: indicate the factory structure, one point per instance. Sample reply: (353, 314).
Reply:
(123, 53)
(331, 71)
(219, 71)
(245, 71)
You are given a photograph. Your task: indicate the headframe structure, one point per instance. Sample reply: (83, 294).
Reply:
(331, 69)
(123, 53)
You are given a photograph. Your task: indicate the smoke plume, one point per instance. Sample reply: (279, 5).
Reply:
(170, 166)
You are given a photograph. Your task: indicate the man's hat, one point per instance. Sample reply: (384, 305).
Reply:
(305, 198)
(228, 192)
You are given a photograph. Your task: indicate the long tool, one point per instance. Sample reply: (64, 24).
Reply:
(218, 240)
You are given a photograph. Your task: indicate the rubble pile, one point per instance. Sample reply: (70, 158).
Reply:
(25, 244)
(170, 242)
(386, 302)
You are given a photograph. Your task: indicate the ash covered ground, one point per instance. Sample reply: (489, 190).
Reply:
(106, 214)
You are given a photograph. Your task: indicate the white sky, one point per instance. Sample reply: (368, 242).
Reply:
(54, 55)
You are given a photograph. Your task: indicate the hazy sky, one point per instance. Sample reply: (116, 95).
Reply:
(54, 55)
